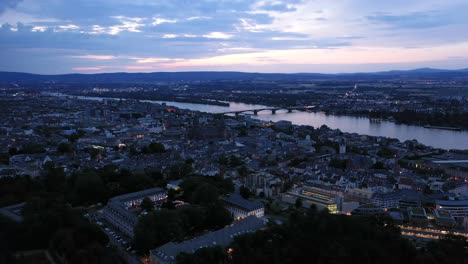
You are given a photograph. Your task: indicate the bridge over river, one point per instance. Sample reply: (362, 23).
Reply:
(270, 109)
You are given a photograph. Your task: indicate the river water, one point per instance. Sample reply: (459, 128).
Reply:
(445, 139)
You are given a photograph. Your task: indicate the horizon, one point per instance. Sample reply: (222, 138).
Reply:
(264, 36)
(246, 72)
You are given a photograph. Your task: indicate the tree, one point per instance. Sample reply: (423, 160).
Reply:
(193, 219)
(88, 188)
(75, 136)
(378, 165)
(210, 255)
(179, 170)
(64, 148)
(235, 161)
(156, 229)
(132, 151)
(223, 160)
(244, 192)
(54, 180)
(327, 239)
(298, 203)
(337, 163)
(243, 171)
(147, 204)
(217, 216)
(386, 153)
(205, 194)
(154, 147)
(450, 249)
(243, 132)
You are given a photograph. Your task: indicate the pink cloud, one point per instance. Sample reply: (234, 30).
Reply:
(136, 67)
(95, 57)
(87, 68)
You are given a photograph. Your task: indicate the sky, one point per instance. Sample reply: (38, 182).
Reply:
(326, 36)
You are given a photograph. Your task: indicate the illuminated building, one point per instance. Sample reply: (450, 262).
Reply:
(117, 209)
(319, 197)
(241, 208)
(167, 253)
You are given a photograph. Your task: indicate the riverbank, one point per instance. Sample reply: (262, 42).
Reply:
(444, 139)
(153, 98)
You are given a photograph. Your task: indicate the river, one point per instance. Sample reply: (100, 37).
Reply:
(445, 139)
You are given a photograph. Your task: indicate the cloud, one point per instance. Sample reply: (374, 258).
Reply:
(156, 60)
(416, 20)
(95, 57)
(278, 6)
(169, 36)
(88, 68)
(158, 21)
(4, 4)
(198, 18)
(218, 35)
(39, 29)
(54, 35)
(67, 27)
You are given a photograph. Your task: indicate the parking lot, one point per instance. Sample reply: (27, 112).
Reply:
(116, 239)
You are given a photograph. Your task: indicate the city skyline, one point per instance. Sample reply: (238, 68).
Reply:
(54, 37)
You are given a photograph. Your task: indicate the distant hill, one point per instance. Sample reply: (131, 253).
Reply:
(122, 77)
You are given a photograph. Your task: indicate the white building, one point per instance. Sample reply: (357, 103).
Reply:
(117, 209)
(241, 208)
(457, 208)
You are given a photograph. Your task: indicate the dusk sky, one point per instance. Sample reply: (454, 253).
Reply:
(91, 36)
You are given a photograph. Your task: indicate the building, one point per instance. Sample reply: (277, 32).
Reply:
(409, 198)
(457, 208)
(363, 196)
(263, 182)
(460, 189)
(167, 253)
(118, 210)
(367, 209)
(444, 218)
(14, 212)
(241, 208)
(417, 215)
(386, 200)
(321, 198)
(283, 125)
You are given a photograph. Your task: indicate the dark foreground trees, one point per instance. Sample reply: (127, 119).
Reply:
(160, 227)
(49, 223)
(318, 237)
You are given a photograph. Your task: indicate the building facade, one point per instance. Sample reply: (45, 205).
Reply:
(457, 208)
(241, 208)
(118, 213)
(167, 253)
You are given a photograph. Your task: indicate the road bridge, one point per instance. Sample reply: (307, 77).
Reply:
(273, 110)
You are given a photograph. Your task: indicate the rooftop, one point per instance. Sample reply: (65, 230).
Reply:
(221, 237)
(452, 202)
(139, 194)
(13, 212)
(237, 200)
